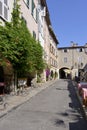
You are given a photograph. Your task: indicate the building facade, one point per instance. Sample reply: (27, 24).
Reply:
(29, 14)
(35, 13)
(53, 55)
(71, 60)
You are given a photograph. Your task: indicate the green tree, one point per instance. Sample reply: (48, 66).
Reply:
(19, 47)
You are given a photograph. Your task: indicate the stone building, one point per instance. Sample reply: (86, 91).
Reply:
(71, 60)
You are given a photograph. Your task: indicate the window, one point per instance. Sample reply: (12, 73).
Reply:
(34, 34)
(80, 50)
(0, 8)
(37, 15)
(65, 59)
(33, 6)
(50, 48)
(50, 60)
(5, 13)
(27, 2)
(85, 50)
(65, 50)
(5, 2)
(4, 9)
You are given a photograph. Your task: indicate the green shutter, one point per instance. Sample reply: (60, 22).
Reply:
(28, 3)
(33, 6)
(37, 15)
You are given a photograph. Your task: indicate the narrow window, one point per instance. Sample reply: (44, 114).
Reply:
(5, 12)
(65, 50)
(80, 50)
(4, 9)
(28, 3)
(0, 8)
(33, 6)
(34, 34)
(37, 15)
(5, 2)
(65, 59)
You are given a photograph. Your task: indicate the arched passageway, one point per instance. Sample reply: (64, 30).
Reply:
(64, 73)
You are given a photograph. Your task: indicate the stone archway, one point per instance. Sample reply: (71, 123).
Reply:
(64, 73)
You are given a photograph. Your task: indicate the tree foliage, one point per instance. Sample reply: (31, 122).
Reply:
(18, 45)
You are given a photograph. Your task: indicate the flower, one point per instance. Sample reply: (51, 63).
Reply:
(47, 72)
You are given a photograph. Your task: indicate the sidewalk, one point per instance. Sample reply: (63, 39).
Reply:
(13, 101)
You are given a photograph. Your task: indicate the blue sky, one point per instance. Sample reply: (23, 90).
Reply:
(69, 21)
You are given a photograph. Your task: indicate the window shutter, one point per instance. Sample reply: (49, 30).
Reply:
(34, 34)
(44, 12)
(0, 8)
(33, 6)
(5, 12)
(37, 16)
(28, 3)
(4, 9)
(5, 2)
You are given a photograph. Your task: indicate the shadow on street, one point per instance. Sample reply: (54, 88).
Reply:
(75, 114)
(81, 123)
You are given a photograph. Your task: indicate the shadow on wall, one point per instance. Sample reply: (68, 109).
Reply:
(62, 74)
